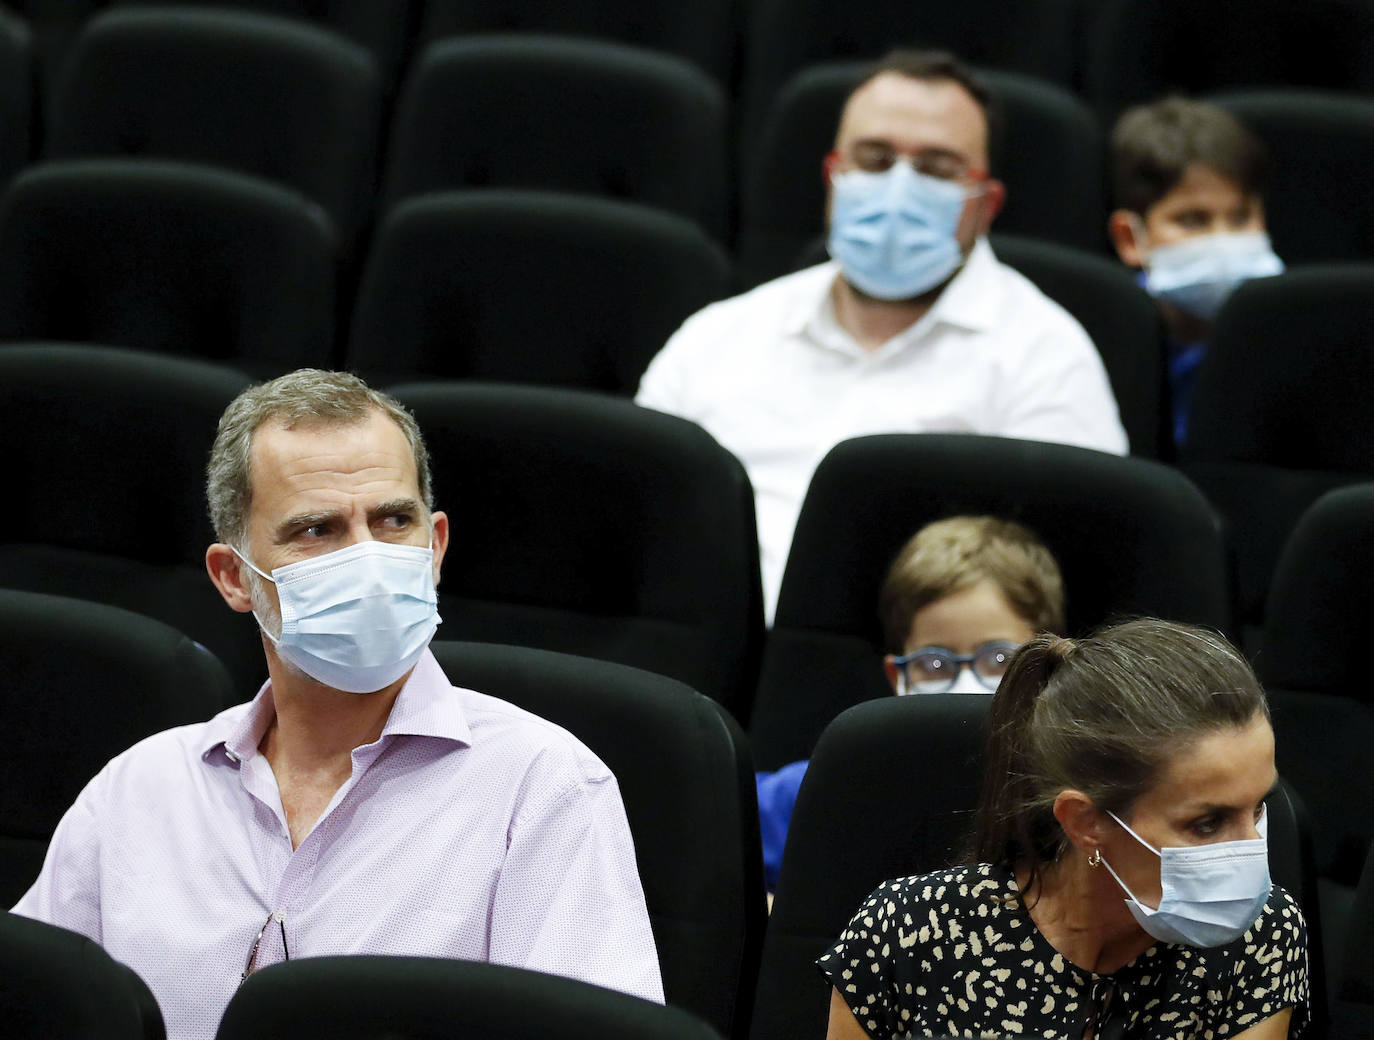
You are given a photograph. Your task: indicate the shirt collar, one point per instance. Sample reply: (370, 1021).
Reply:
(973, 297)
(970, 301)
(427, 706)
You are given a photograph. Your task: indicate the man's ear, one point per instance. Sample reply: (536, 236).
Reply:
(439, 540)
(1083, 822)
(994, 198)
(1123, 228)
(227, 573)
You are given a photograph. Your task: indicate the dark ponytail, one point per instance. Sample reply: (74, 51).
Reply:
(1003, 831)
(1103, 716)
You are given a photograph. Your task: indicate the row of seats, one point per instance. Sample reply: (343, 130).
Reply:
(1115, 51)
(303, 108)
(537, 287)
(55, 983)
(682, 766)
(585, 524)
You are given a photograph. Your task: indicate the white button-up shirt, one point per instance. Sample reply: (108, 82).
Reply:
(776, 380)
(469, 829)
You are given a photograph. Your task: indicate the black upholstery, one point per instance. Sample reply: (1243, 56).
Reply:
(1131, 536)
(55, 983)
(687, 781)
(526, 286)
(87, 681)
(17, 94)
(167, 257)
(1140, 50)
(565, 115)
(703, 32)
(1280, 412)
(890, 792)
(107, 449)
(274, 97)
(587, 525)
(1321, 147)
(1122, 321)
(423, 998)
(782, 37)
(1321, 609)
(384, 29)
(1045, 147)
(903, 774)
(1353, 1011)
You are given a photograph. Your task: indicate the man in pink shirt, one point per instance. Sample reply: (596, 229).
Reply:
(360, 804)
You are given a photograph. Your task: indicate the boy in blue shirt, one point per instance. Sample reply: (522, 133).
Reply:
(961, 597)
(1188, 179)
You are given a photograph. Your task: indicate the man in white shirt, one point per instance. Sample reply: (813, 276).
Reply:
(913, 326)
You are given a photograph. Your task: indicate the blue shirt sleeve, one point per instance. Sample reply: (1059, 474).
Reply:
(777, 796)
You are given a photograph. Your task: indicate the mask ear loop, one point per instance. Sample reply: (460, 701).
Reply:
(252, 566)
(274, 640)
(1117, 877)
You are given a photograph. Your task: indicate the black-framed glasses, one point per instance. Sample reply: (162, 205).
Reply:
(934, 669)
(251, 963)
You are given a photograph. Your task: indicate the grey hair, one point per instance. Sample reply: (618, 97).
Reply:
(1105, 716)
(306, 397)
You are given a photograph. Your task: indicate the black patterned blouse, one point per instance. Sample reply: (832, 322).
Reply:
(954, 953)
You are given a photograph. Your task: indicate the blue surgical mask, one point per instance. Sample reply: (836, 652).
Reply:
(1210, 894)
(358, 618)
(893, 233)
(1197, 274)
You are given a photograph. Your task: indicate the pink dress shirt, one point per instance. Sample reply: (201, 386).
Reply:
(469, 829)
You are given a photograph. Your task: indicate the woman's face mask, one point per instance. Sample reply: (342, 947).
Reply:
(1210, 894)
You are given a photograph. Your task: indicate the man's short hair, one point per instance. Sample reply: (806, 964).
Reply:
(304, 398)
(1153, 145)
(949, 555)
(934, 65)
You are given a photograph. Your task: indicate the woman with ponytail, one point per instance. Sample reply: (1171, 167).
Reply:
(1118, 884)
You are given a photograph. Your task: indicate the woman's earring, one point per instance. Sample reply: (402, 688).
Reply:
(1095, 858)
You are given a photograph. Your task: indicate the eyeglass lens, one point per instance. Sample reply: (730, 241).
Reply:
(934, 669)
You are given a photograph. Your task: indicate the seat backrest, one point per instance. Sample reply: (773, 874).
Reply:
(558, 114)
(1140, 50)
(1279, 414)
(904, 773)
(107, 450)
(168, 257)
(782, 37)
(83, 682)
(1321, 146)
(1122, 321)
(702, 33)
(688, 787)
(57, 983)
(1132, 537)
(274, 97)
(431, 998)
(901, 772)
(1045, 147)
(1320, 611)
(385, 30)
(17, 95)
(588, 525)
(447, 289)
